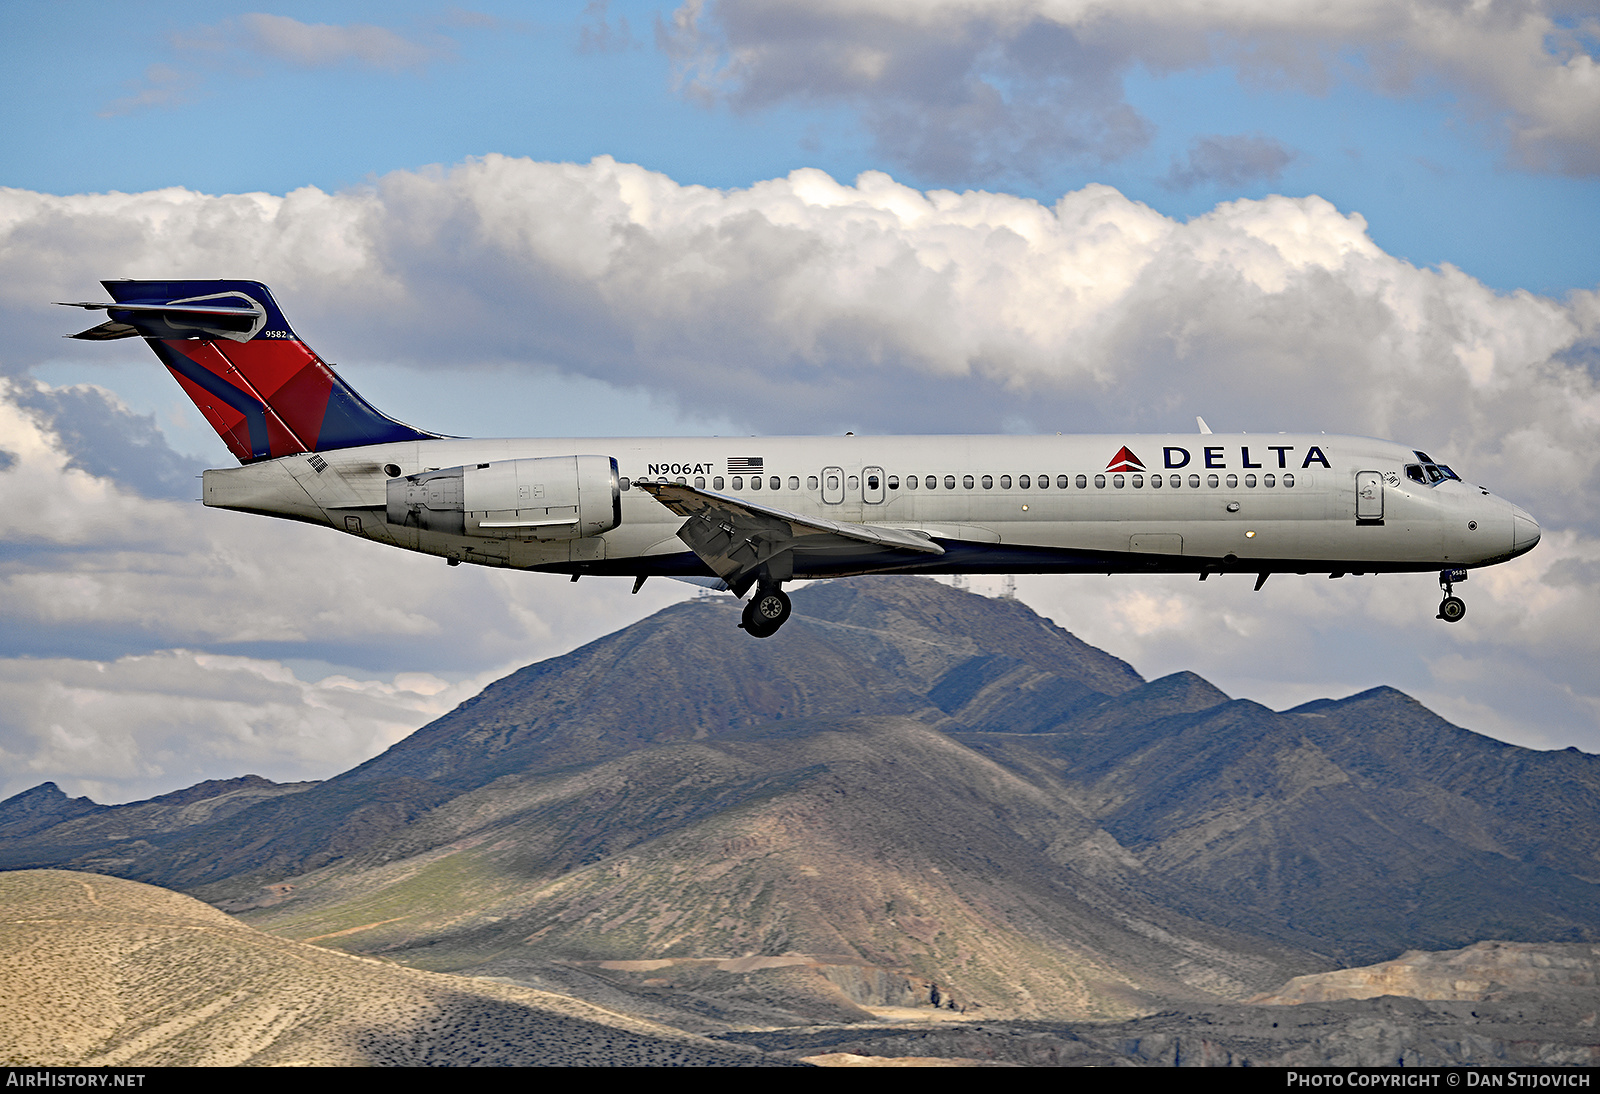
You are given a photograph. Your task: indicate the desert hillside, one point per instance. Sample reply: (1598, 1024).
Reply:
(97, 971)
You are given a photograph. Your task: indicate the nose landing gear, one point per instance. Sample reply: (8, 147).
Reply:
(1452, 608)
(767, 610)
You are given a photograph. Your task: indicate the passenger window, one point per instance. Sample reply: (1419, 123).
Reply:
(699, 482)
(1194, 482)
(682, 481)
(853, 482)
(716, 483)
(775, 482)
(1005, 482)
(738, 482)
(1118, 481)
(911, 482)
(1023, 482)
(932, 482)
(1155, 482)
(1042, 484)
(1250, 481)
(1288, 481)
(1061, 482)
(966, 482)
(949, 482)
(1269, 481)
(988, 482)
(1083, 482)
(811, 482)
(1099, 482)
(1138, 482)
(625, 484)
(794, 482)
(833, 483)
(894, 482)
(755, 482)
(1177, 481)
(1211, 481)
(1233, 482)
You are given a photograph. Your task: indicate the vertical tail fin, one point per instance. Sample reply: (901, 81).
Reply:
(262, 389)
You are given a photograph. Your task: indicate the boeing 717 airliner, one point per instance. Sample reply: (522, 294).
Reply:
(754, 513)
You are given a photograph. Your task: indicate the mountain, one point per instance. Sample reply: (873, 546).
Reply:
(910, 789)
(869, 647)
(1356, 828)
(875, 856)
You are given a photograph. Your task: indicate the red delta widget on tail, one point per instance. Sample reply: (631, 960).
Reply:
(751, 514)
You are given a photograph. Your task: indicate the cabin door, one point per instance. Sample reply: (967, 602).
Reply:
(872, 485)
(1369, 497)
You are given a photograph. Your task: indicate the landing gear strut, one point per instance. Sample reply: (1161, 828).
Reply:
(767, 610)
(1452, 608)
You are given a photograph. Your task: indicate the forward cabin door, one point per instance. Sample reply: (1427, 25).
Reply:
(1369, 497)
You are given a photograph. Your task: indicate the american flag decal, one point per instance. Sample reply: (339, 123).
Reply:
(746, 465)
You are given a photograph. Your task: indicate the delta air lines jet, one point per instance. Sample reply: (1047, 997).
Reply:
(753, 513)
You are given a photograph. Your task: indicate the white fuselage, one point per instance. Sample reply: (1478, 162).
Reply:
(997, 504)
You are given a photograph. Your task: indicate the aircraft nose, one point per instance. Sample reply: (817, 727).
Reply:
(1525, 531)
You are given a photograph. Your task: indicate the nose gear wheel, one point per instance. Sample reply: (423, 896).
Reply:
(1452, 608)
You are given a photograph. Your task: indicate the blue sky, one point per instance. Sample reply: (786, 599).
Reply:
(1442, 289)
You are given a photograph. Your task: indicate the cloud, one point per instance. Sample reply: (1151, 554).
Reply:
(143, 725)
(235, 43)
(323, 45)
(959, 92)
(104, 438)
(597, 34)
(964, 90)
(806, 305)
(161, 86)
(1229, 162)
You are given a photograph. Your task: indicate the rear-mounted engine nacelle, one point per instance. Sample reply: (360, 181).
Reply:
(552, 497)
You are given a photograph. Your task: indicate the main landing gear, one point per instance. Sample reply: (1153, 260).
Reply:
(767, 610)
(1452, 608)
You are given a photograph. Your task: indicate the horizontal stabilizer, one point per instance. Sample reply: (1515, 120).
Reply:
(107, 331)
(231, 315)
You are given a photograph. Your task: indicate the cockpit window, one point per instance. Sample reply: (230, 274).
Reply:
(1435, 472)
(1414, 473)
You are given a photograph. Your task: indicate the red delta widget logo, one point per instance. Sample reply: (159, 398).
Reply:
(1215, 457)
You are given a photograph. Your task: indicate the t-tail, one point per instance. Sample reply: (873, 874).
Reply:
(262, 389)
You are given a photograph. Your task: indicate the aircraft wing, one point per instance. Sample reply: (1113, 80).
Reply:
(736, 536)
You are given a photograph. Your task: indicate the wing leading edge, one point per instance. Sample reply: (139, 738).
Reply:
(738, 539)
